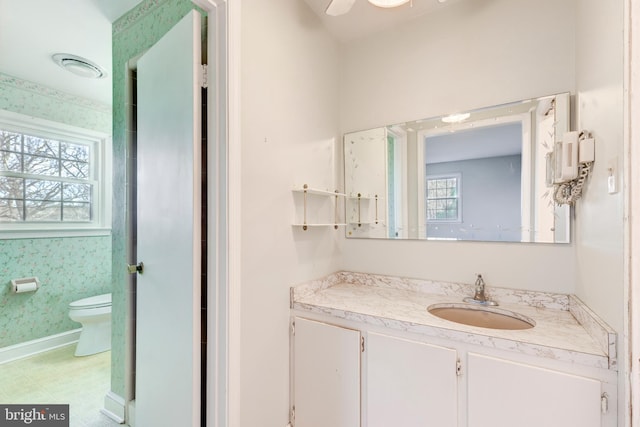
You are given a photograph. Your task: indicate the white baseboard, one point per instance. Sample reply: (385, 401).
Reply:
(114, 407)
(132, 413)
(29, 348)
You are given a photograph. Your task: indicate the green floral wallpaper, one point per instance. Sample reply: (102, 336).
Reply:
(72, 268)
(33, 99)
(133, 33)
(68, 269)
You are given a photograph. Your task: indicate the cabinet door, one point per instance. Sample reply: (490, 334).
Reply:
(326, 375)
(410, 384)
(502, 393)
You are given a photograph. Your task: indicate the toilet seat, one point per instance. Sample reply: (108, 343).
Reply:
(97, 301)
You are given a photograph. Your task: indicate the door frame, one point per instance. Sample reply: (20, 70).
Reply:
(223, 299)
(234, 191)
(631, 342)
(223, 259)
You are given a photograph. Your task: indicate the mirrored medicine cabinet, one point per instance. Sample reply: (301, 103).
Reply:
(477, 176)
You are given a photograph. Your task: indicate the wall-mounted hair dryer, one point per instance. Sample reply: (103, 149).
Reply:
(569, 165)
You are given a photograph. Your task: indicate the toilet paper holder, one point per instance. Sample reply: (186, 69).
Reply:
(26, 284)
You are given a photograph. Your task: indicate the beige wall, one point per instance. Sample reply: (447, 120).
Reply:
(481, 53)
(469, 55)
(289, 128)
(599, 225)
(301, 90)
(600, 109)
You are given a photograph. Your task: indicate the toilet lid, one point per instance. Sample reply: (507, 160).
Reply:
(97, 301)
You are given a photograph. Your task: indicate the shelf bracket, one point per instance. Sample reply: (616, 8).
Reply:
(304, 220)
(335, 220)
(376, 208)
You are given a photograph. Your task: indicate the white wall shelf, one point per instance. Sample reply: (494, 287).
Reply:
(318, 192)
(363, 196)
(308, 206)
(362, 209)
(342, 224)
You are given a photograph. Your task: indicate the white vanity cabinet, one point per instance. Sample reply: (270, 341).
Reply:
(349, 374)
(326, 375)
(404, 382)
(502, 393)
(419, 370)
(409, 383)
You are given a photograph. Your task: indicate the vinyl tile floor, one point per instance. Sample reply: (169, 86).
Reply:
(58, 377)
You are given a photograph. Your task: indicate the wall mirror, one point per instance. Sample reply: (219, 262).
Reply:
(478, 175)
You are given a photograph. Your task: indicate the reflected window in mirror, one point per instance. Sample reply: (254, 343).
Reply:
(443, 198)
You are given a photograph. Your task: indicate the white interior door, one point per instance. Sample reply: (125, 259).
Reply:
(168, 230)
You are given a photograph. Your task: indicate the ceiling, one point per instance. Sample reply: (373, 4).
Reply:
(478, 143)
(33, 30)
(365, 19)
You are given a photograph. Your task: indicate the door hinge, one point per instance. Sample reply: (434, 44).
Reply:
(362, 344)
(604, 403)
(204, 76)
(293, 328)
(292, 417)
(458, 367)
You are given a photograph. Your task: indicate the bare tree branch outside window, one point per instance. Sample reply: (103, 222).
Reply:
(44, 179)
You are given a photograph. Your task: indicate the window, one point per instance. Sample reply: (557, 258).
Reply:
(51, 177)
(443, 198)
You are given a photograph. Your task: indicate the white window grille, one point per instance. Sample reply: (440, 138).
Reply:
(52, 177)
(443, 198)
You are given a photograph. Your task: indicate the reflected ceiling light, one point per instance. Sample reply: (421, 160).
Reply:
(456, 118)
(388, 3)
(79, 66)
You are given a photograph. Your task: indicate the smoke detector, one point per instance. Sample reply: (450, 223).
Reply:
(79, 66)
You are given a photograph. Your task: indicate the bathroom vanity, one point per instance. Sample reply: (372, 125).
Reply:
(367, 352)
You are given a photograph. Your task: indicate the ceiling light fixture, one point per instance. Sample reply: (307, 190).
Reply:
(388, 3)
(79, 66)
(456, 118)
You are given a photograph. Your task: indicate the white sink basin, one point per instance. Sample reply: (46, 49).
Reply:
(484, 317)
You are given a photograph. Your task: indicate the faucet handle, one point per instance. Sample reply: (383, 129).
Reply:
(480, 297)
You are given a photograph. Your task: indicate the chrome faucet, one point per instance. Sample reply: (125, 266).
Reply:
(479, 297)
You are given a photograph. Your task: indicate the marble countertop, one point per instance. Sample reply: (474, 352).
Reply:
(565, 329)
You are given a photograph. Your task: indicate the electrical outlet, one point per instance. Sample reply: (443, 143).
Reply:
(612, 175)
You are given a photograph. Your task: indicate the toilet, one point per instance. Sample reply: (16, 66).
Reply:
(94, 313)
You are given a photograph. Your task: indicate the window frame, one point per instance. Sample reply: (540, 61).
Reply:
(458, 177)
(99, 175)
